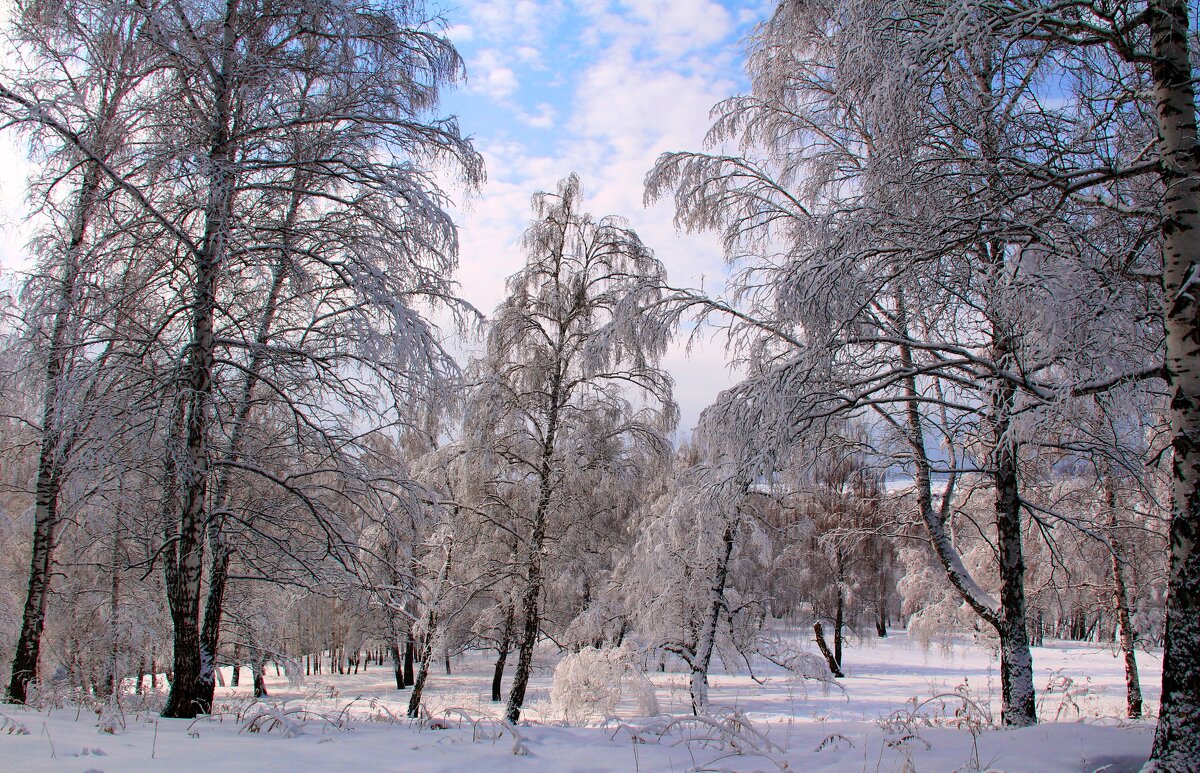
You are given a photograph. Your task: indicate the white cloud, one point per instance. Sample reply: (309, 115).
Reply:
(668, 29)
(528, 55)
(521, 22)
(489, 75)
(460, 33)
(542, 118)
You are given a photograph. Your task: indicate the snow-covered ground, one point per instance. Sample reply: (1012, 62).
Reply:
(870, 723)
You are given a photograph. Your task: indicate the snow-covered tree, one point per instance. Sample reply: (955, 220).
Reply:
(288, 254)
(569, 398)
(689, 581)
(899, 260)
(86, 59)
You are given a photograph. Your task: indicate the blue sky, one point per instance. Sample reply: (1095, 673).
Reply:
(596, 87)
(601, 88)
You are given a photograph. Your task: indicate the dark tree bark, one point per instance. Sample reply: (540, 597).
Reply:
(257, 666)
(192, 688)
(414, 700)
(530, 603)
(410, 652)
(51, 457)
(398, 665)
(839, 622)
(502, 653)
(1019, 708)
(193, 664)
(835, 667)
(1133, 687)
(429, 635)
(706, 637)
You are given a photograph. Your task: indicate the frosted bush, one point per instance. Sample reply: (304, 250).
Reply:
(590, 683)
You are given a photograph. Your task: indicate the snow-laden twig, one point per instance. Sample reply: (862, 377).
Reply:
(728, 731)
(490, 729)
(10, 726)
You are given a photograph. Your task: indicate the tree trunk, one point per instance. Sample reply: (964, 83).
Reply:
(839, 621)
(1133, 687)
(835, 667)
(112, 680)
(1019, 708)
(1008, 616)
(1125, 632)
(410, 652)
(257, 666)
(502, 653)
(193, 662)
(1177, 739)
(530, 607)
(414, 700)
(51, 457)
(398, 665)
(707, 636)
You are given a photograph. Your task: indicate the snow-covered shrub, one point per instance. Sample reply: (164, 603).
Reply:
(1075, 698)
(10, 726)
(802, 665)
(590, 683)
(267, 717)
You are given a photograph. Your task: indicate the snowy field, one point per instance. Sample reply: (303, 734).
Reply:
(872, 723)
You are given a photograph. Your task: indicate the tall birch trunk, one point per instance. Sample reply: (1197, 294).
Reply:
(397, 662)
(193, 664)
(839, 619)
(222, 551)
(112, 679)
(51, 456)
(410, 654)
(1177, 739)
(533, 569)
(414, 700)
(1019, 708)
(1016, 662)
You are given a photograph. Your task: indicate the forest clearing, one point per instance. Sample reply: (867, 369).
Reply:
(868, 721)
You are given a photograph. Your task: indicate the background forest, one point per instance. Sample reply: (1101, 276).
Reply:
(238, 425)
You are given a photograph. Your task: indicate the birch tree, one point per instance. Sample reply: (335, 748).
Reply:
(687, 573)
(1130, 56)
(570, 381)
(86, 60)
(900, 260)
(305, 135)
